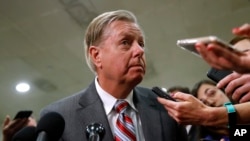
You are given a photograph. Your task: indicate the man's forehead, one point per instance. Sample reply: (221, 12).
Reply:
(125, 28)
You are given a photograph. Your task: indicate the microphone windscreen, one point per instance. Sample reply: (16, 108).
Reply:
(27, 133)
(53, 124)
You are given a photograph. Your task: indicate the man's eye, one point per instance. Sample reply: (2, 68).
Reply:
(125, 42)
(141, 44)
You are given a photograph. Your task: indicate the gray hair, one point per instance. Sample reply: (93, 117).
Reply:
(94, 32)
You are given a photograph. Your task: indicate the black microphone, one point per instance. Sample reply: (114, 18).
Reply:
(27, 133)
(50, 127)
(95, 131)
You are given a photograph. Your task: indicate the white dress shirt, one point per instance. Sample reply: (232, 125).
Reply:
(109, 102)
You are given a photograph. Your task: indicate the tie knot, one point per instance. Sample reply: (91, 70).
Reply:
(121, 106)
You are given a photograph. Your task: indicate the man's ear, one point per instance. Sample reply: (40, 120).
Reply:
(94, 53)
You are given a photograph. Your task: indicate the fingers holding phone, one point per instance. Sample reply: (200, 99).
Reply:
(237, 86)
(31, 122)
(243, 30)
(218, 57)
(26, 116)
(190, 43)
(187, 110)
(21, 119)
(158, 91)
(215, 51)
(217, 75)
(11, 126)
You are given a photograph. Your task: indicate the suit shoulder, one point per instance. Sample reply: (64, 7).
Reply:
(64, 103)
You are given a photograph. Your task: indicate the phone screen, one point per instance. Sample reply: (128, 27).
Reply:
(189, 44)
(162, 94)
(23, 114)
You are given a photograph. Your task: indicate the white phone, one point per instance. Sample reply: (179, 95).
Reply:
(189, 44)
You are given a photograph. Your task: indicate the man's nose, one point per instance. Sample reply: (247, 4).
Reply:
(138, 49)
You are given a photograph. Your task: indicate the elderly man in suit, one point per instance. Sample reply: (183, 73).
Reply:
(114, 50)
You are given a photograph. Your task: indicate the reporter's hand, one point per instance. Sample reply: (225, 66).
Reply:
(10, 127)
(188, 109)
(243, 30)
(236, 86)
(221, 58)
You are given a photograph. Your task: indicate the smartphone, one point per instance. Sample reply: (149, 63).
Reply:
(23, 114)
(216, 75)
(158, 91)
(189, 44)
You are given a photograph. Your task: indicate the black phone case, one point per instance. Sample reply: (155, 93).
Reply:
(217, 75)
(23, 114)
(162, 94)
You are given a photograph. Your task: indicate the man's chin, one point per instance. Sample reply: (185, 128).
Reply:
(137, 78)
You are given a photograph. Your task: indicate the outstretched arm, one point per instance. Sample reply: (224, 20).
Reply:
(189, 110)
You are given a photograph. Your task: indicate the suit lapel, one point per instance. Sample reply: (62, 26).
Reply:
(149, 115)
(92, 111)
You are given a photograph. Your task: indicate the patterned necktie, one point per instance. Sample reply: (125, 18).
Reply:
(124, 129)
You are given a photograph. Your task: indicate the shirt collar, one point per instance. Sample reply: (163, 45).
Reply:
(109, 101)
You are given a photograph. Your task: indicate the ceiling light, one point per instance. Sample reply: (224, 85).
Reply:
(22, 87)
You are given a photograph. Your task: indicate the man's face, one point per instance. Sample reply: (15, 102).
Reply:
(122, 53)
(211, 95)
